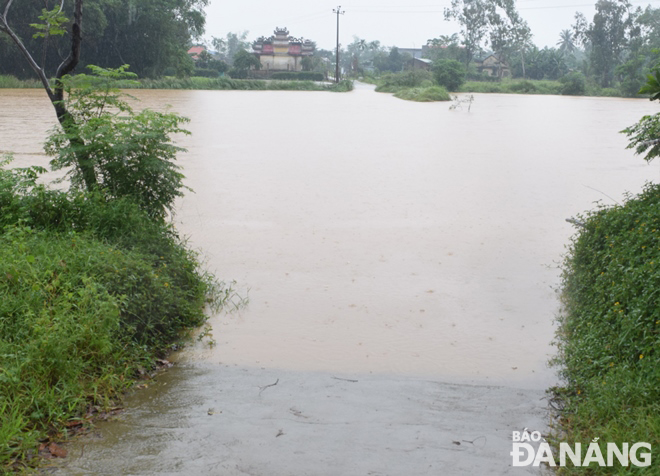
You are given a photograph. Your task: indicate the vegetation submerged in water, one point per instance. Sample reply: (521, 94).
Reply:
(609, 330)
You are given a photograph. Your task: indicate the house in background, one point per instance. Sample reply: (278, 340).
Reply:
(195, 51)
(493, 66)
(422, 63)
(282, 52)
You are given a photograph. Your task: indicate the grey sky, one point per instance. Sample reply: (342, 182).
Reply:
(399, 23)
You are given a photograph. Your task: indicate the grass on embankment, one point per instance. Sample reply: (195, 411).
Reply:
(90, 293)
(10, 82)
(609, 330)
(535, 86)
(204, 84)
(423, 94)
(234, 84)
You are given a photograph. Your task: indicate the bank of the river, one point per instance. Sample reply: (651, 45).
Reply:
(91, 294)
(609, 333)
(414, 85)
(95, 282)
(205, 84)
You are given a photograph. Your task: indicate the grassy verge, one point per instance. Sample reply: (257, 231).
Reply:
(198, 82)
(533, 86)
(515, 86)
(609, 330)
(10, 82)
(91, 292)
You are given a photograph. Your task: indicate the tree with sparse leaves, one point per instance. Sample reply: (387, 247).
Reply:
(472, 15)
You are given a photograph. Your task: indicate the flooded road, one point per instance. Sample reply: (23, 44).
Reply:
(391, 243)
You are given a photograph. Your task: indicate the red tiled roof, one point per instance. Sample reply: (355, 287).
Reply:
(196, 50)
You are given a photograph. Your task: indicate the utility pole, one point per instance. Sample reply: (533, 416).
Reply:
(338, 11)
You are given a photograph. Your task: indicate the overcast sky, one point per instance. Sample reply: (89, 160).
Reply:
(401, 23)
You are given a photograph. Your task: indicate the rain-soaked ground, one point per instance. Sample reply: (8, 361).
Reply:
(401, 261)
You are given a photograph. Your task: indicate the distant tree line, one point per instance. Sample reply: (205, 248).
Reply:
(615, 50)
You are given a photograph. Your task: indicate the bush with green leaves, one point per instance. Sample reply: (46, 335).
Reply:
(92, 289)
(131, 153)
(573, 84)
(449, 73)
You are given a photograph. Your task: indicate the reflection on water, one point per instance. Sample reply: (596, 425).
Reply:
(378, 235)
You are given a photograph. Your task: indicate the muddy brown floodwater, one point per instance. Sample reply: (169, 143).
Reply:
(407, 249)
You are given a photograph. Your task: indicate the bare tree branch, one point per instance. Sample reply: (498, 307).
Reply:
(650, 142)
(4, 16)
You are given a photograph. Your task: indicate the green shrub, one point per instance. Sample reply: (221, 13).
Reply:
(573, 84)
(129, 154)
(91, 290)
(389, 83)
(449, 73)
